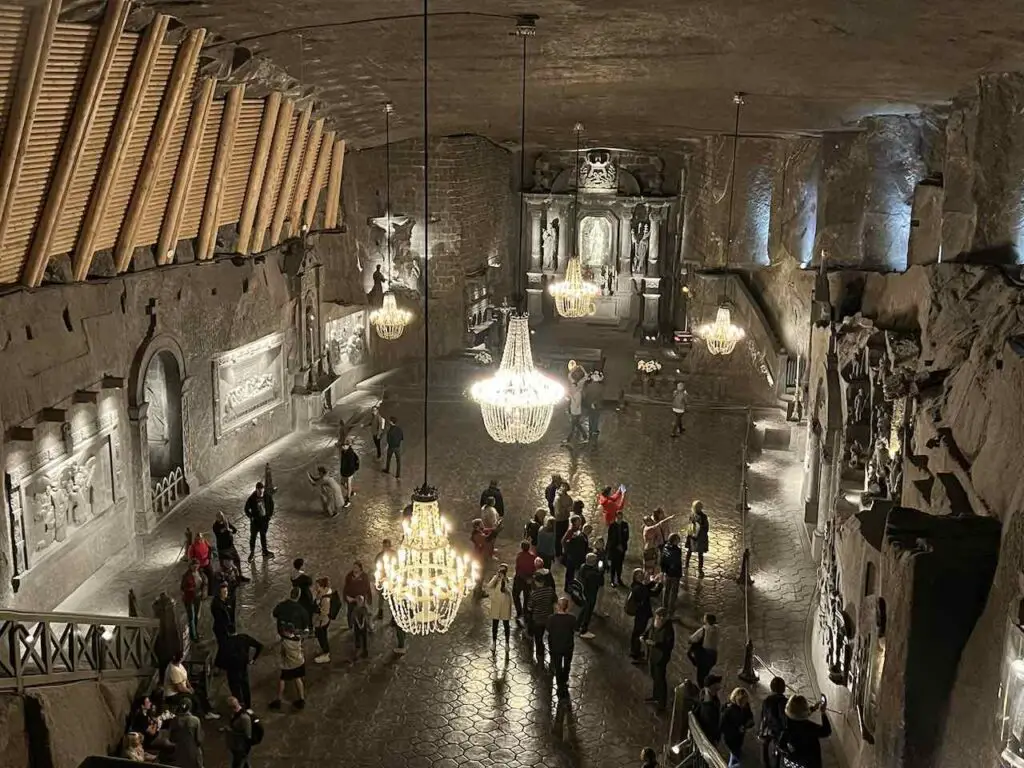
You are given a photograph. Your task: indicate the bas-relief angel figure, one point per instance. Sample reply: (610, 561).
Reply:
(78, 481)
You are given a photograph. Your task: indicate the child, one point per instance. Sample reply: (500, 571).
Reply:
(361, 626)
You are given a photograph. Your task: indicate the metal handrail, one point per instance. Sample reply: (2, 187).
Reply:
(696, 751)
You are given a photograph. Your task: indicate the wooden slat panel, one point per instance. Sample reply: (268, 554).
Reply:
(333, 203)
(305, 176)
(218, 174)
(257, 176)
(201, 175)
(14, 21)
(242, 152)
(319, 172)
(291, 170)
(286, 123)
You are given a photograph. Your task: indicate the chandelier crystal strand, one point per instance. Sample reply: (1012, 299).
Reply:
(574, 296)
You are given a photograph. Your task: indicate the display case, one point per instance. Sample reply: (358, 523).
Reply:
(1011, 695)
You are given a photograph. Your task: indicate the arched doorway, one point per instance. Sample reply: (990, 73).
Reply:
(162, 394)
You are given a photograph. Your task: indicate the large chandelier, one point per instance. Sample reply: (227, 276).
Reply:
(721, 336)
(390, 320)
(517, 401)
(425, 580)
(574, 296)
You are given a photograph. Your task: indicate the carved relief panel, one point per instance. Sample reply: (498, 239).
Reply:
(248, 382)
(346, 342)
(836, 626)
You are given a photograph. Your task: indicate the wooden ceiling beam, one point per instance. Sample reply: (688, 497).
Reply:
(174, 96)
(219, 173)
(23, 105)
(291, 168)
(257, 174)
(309, 157)
(120, 139)
(270, 180)
(326, 150)
(333, 203)
(184, 172)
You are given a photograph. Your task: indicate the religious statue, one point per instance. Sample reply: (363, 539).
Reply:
(376, 294)
(640, 236)
(550, 246)
(859, 404)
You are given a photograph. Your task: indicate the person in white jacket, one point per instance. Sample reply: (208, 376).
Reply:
(499, 590)
(331, 496)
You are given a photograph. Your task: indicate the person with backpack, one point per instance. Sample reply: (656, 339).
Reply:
(703, 651)
(499, 590)
(697, 537)
(590, 579)
(348, 465)
(800, 741)
(539, 607)
(643, 588)
(574, 549)
(303, 582)
(773, 722)
(327, 604)
(736, 720)
(244, 731)
(618, 544)
(672, 568)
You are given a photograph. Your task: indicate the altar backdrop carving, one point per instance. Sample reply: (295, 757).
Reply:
(599, 172)
(346, 342)
(247, 382)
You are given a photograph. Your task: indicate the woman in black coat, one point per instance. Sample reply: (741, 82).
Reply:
(736, 719)
(638, 605)
(801, 740)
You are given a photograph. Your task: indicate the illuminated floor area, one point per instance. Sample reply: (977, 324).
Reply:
(448, 702)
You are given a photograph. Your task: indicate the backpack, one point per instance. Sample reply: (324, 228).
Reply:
(257, 730)
(630, 606)
(575, 592)
(335, 607)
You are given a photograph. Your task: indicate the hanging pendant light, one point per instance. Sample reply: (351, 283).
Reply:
(389, 320)
(574, 296)
(517, 401)
(425, 581)
(722, 336)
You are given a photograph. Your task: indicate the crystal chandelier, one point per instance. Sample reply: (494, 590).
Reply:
(574, 296)
(390, 320)
(517, 401)
(425, 580)
(721, 336)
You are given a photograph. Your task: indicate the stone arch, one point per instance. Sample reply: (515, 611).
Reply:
(163, 342)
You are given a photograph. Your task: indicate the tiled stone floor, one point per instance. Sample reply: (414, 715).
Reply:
(449, 702)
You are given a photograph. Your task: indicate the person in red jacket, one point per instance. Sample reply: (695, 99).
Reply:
(200, 550)
(611, 503)
(525, 567)
(192, 587)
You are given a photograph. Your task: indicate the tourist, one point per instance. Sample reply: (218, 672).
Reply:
(654, 538)
(648, 758)
(709, 710)
(222, 609)
(293, 668)
(224, 536)
(660, 637)
(145, 721)
(387, 553)
(593, 403)
(672, 568)
(239, 734)
(489, 514)
(193, 585)
(359, 620)
(736, 719)
(532, 529)
(574, 549)
(543, 573)
(357, 584)
(540, 606)
(493, 492)
(177, 688)
(563, 511)
(482, 538)
(332, 498)
(394, 439)
(591, 576)
(561, 627)
(703, 650)
(240, 651)
(377, 429)
(259, 508)
(303, 582)
(773, 722)
(601, 551)
(200, 551)
(547, 542)
(642, 588)
(801, 739)
(551, 491)
(290, 613)
(697, 537)
(499, 590)
(133, 749)
(611, 503)
(679, 399)
(526, 565)
(323, 598)
(186, 734)
(577, 381)
(579, 509)
(348, 465)
(618, 545)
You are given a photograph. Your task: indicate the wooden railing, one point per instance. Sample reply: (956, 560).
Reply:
(696, 751)
(168, 491)
(48, 648)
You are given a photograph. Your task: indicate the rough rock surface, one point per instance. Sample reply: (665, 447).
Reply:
(13, 739)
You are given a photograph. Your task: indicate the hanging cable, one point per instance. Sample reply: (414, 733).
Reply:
(426, 248)
(578, 128)
(520, 293)
(387, 184)
(738, 99)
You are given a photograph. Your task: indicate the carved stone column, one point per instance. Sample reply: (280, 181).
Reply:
(565, 214)
(536, 239)
(652, 304)
(654, 245)
(625, 240)
(138, 458)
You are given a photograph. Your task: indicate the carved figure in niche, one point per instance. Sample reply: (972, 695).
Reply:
(599, 171)
(77, 480)
(65, 436)
(44, 515)
(376, 294)
(896, 479)
(859, 404)
(856, 367)
(855, 458)
(641, 237)
(550, 246)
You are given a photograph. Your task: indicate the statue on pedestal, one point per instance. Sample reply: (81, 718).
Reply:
(550, 246)
(640, 236)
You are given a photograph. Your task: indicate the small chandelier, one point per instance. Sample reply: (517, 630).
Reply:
(425, 580)
(721, 336)
(390, 320)
(517, 401)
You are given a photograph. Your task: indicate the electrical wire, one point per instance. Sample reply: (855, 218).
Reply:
(576, 191)
(387, 184)
(426, 249)
(520, 293)
(738, 98)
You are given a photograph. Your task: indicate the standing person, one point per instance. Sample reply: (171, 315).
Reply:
(239, 734)
(357, 584)
(493, 492)
(523, 579)
(618, 545)
(360, 620)
(500, 592)
(303, 582)
(648, 758)
(591, 576)
(577, 381)
(259, 508)
(703, 650)
(186, 734)
(323, 597)
(611, 502)
(643, 587)
(241, 650)
(801, 741)
(593, 403)
(561, 627)
(293, 668)
(574, 549)
(547, 542)
(394, 438)
(563, 511)
(661, 640)
(290, 613)
(654, 538)
(540, 606)
(489, 514)
(551, 491)
(378, 427)
(709, 710)
(200, 551)
(601, 551)
(193, 585)
(222, 608)
(224, 536)
(679, 399)
(387, 552)
(532, 529)
(736, 719)
(332, 498)
(697, 537)
(348, 465)
(672, 568)
(482, 538)
(773, 722)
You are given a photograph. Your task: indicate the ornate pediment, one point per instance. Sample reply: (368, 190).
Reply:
(599, 172)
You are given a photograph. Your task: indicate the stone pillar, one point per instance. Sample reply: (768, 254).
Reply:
(999, 162)
(565, 214)
(138, 459)
(625, 240)
(654, 247)
(536, 239)
(652, 303)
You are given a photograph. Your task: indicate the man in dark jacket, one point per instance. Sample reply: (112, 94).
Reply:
(494, 493)
(591, 575)
(773, 721)
(552, 491)
(222, 609)
(394, 436)
(617, 542)
(240, 651)
(239, 733)
(224, 534)
(709, 711)
(540, 606)
(672, 568)
(303, 582)
(561, 628)
(259, 508)
(643, 588)
(661, 640)
(290, 613)
(348, 465)
(575, 546)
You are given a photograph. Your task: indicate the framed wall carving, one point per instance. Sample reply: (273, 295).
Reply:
(248, 381)
(1011, 699)
(346, 340)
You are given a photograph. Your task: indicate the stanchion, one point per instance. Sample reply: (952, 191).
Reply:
(747, 674)
(744, 577)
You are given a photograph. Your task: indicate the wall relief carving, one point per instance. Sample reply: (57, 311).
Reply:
(836, 626)
(247, 382)
(346, 342)
(599, 172)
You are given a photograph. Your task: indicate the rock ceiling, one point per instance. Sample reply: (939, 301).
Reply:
(635, 72)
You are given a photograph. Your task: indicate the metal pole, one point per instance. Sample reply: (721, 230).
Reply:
(747, 674)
